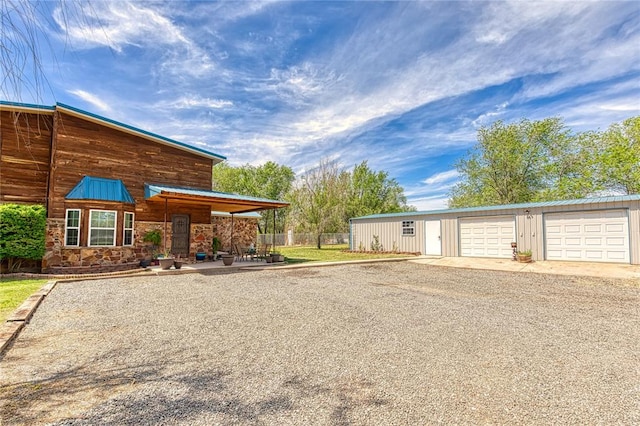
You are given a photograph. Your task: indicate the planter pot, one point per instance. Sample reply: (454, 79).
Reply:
(275, 257)
(166, 263)
(524, 258)
(200, 256)
(227, 259)
(281, 258)
(144, 263)
(177, 264)
(269, 259)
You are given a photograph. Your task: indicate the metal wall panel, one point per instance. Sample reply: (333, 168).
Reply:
(529, 228)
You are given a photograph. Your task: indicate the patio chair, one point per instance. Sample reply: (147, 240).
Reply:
(240, 252)
(251, 252)
(263, 251)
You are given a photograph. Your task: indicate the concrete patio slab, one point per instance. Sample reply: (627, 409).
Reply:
(593, 269)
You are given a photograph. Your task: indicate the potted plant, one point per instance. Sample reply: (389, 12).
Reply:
(177, 263)
(227, 259)
(155, 238)
(277, 257)
(524, 256)
(166, 260)
(215, 245)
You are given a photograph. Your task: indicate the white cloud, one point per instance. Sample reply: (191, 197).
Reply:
(490, 116)
(121, 24)
(442, 177)
(300, 83)
(92, 99)
(118, 24)
(199, 102)
(428, 204)
(545, 38)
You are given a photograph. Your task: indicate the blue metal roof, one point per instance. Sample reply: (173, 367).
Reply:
(610, 199)
(21, 105)
(102, 189)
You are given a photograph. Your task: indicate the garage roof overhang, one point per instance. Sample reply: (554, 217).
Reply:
(217, 201)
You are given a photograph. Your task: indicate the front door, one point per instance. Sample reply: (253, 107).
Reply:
(433, 243)
(180, 235)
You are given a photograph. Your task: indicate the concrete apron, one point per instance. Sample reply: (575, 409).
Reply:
(593, 269)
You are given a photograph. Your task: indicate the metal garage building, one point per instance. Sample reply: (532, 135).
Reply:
(605, 229)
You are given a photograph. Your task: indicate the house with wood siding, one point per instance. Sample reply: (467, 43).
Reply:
(105, 184)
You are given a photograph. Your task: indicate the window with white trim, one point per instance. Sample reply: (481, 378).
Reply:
(408, 227)
(72, 228)
(102, 228)
(127, 236)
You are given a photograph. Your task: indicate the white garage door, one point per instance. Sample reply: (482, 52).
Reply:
(593, 236)
(487, 236)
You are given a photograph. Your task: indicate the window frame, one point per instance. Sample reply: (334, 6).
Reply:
(410, 226)
(67, 227)
(91, 228)
(125, 229)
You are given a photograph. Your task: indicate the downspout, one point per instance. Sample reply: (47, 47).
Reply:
(274, 229)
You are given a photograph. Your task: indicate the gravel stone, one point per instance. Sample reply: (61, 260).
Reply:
(370, 344)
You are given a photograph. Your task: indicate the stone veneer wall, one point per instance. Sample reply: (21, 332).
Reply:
(145, 250)
(59, 259)
(201, 238)
(245, 231)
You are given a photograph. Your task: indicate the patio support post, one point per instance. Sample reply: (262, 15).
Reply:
(231, 232)
(164, 248)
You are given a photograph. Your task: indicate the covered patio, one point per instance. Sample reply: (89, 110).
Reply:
(174, 199)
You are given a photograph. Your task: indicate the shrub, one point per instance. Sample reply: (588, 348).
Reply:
(22, 233)
(375, 244)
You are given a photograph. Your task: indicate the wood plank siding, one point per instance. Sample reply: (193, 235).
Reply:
(25, 141)
(84, 148)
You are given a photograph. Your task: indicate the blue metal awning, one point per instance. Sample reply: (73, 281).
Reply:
(100, 189)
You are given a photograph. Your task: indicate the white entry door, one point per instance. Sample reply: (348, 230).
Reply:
(433, 244)
(590, 236)
(488, 236)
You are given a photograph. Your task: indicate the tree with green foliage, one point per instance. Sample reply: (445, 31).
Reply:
(619, 157)
(318, 200)
(269, 180)
(373, 192)
(523, 162)
(22, 233)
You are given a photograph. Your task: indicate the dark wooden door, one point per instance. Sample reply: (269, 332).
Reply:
(180, 234)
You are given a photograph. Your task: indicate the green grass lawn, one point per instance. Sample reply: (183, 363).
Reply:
(15, 291)
(331, 253)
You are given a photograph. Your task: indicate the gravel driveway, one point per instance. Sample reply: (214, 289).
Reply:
(387, 343)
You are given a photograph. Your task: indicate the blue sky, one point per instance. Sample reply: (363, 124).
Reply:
(404, 85)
